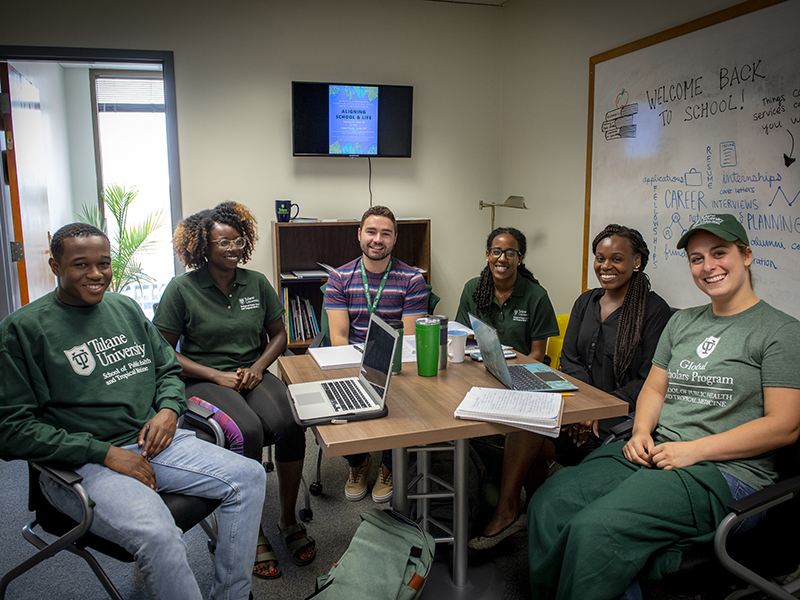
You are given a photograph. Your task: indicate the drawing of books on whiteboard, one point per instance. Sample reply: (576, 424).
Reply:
(619, 122)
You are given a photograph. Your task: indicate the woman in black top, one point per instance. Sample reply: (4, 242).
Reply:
(610, 340)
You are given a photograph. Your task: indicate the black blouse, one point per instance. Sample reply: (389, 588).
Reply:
(588, 352)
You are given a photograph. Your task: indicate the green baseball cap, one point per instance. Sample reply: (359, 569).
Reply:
(722, 225)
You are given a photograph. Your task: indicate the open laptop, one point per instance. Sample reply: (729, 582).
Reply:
(351, 398)
(530, 377)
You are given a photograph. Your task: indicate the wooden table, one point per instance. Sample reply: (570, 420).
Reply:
(421, 414)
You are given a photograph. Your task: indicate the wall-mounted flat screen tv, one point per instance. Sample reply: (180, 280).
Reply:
(346, 119)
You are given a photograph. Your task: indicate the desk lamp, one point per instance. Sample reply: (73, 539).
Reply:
(511, 202)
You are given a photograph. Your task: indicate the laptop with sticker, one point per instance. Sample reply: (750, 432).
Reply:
(527, 377)
(351, 398)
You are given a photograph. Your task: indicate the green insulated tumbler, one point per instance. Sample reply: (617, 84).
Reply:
(427, 334)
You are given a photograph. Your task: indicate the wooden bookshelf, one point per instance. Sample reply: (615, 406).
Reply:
(298, 247)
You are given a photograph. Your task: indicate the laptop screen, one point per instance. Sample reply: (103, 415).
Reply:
(491, 350)
(378, 356)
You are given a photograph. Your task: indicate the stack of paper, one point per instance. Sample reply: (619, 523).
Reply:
(336, 357)
(539, 412)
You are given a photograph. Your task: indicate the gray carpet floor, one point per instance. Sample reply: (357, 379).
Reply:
(333, 524)
(503, 570)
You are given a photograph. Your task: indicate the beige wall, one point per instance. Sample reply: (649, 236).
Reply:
(500, 107)
(546, 51)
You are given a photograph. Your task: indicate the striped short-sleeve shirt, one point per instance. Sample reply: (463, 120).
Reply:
(405, 294)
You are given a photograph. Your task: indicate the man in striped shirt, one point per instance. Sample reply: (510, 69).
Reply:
(373, 283)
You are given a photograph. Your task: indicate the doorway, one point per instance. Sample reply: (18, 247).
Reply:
(131, 60)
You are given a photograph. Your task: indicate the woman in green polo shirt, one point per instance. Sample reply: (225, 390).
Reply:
(219, 312)
(508, 296)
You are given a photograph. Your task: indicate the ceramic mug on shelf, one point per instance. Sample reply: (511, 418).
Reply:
(283, 209)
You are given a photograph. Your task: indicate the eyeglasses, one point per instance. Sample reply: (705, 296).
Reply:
(511, 254)
(225, 243)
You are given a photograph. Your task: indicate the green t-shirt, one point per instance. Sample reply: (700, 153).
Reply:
(78, 379)
(717, 367)
(526, 315)
(217, 330)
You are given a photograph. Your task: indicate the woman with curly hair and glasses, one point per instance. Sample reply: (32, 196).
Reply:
(220, 312)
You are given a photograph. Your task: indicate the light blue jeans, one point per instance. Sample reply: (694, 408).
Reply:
(132, 515)
(739, 490)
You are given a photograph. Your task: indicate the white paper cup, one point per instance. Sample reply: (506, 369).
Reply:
(456, 344)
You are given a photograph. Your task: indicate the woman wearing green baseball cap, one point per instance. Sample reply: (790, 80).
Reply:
(722, 395)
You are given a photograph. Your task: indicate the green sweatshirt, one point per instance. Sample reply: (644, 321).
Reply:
(76, 380)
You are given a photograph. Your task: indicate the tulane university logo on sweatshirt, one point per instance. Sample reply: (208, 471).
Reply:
(114, 352)
(81, 360)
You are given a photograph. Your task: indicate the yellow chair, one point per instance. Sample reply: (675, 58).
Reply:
(554, 344)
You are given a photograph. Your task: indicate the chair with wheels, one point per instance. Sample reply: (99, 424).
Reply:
(75, 537)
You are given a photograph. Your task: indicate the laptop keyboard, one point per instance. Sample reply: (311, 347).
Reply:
(345, 395)
(524, 380)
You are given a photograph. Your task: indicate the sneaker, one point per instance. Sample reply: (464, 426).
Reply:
(356, 487)
(382, 490)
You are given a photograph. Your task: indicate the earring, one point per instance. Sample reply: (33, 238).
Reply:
(636, 269)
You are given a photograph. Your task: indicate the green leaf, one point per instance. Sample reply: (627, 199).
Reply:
(129, 241)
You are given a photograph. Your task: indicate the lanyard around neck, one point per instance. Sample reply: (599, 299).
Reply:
(372, 306)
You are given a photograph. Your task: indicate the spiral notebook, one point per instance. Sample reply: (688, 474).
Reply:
(539, 412)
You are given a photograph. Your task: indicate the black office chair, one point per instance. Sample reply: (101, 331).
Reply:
(75, 537)
(754, 560)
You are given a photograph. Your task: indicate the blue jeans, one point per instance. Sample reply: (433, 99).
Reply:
(739, 490)
(132, 515)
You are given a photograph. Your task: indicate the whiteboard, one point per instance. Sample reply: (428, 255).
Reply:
(705, 121)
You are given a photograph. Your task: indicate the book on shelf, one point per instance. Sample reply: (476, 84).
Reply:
(311, 274)
(539, 412)
(328, 268)
(301, 321)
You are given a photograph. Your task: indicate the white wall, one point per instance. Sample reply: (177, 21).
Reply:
(49, 80)
(500, 107)
(546, 52)
(83, 166)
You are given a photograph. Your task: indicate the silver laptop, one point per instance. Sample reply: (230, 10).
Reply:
(535, 377)
(351, 398)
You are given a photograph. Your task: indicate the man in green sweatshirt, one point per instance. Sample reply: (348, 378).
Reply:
(88, 381)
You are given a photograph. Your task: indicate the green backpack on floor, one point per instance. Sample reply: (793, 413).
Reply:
(388, 558)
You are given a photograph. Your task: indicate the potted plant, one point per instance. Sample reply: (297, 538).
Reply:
(129, 240)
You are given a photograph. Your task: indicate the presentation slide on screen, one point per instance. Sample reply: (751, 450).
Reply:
(353, 119)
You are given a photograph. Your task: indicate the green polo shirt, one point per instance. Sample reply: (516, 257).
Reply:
(217, 330)
(526, 315)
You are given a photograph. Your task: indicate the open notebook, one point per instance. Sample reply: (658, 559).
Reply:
(539, 412)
